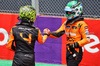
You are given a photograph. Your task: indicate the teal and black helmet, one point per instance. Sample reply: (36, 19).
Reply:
(27, 13)
(73, 9)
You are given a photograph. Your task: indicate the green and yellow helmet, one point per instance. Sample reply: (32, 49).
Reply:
(27, 13)
(73, 9)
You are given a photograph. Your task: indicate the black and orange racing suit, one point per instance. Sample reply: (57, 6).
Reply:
(76, 30)
(24, 36)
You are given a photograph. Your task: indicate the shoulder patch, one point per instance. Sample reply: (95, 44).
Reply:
(79, 25)
(86, 27)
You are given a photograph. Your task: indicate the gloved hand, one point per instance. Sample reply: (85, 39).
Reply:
(46, 31)
(74, 45)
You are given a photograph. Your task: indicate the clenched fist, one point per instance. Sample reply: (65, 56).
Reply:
(46, 31)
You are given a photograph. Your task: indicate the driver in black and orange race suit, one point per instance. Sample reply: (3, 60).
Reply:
(76, 31)
(25, 34)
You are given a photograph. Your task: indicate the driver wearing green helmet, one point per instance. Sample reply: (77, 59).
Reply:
(24, 34)
(76, 31)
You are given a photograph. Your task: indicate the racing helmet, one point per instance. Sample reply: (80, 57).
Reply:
(73, 9)
(27, 13)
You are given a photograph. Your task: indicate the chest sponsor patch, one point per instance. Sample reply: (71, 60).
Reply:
(74, 27)
(68, 27)
(86, 27)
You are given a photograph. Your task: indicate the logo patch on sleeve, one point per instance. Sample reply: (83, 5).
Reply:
(87, 32)
(86, 27)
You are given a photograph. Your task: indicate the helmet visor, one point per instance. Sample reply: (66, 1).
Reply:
(69, 14)
(68, 9)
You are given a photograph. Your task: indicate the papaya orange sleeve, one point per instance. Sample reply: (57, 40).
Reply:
(10, 40)
(41, 38)
(85, 35)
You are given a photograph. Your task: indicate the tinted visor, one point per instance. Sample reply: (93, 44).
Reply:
(68, 12)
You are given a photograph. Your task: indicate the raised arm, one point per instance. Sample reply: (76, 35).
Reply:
(41, 38)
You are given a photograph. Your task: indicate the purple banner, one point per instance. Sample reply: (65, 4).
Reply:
(50, 51)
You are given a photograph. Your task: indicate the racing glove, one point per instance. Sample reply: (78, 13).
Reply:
(46, 31)
(74, 45)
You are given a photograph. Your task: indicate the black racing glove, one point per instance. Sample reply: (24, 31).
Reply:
(75, 45)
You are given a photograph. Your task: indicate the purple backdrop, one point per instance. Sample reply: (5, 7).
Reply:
(50, 51)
